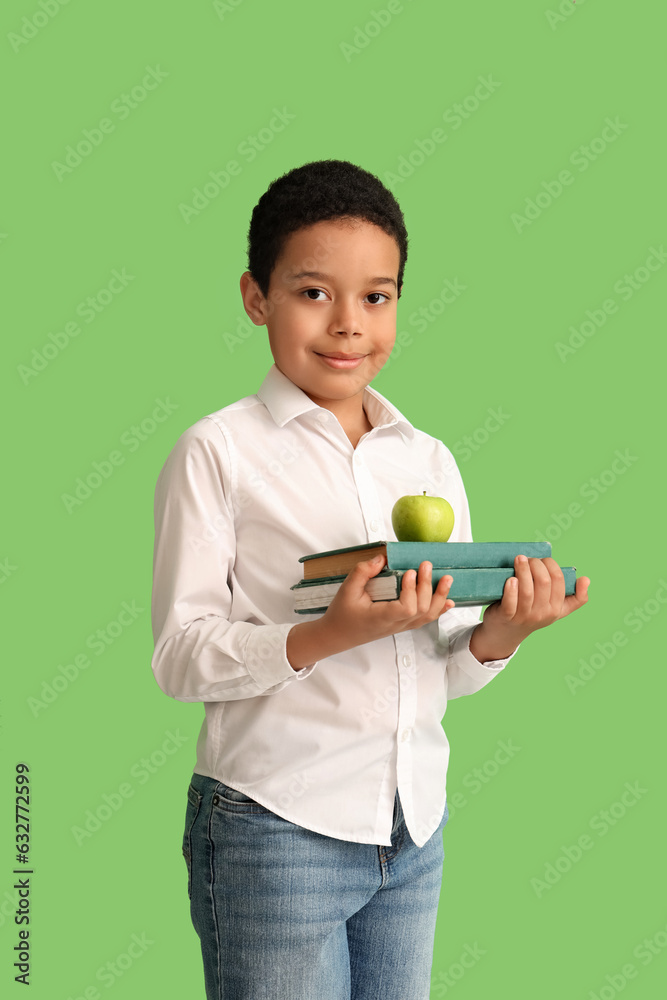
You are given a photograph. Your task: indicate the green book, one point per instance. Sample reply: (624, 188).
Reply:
(471, 586)
(408, 555)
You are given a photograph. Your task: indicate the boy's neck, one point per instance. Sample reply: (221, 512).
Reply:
(355, 425)
(356, 432)
(352, 418)
(350, 414)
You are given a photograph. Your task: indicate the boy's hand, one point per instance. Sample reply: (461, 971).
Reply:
(353, 618)
(533, 598)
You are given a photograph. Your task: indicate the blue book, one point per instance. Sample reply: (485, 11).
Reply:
(408, 555)
(470, 586)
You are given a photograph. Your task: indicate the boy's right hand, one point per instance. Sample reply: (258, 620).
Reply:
(353, 618)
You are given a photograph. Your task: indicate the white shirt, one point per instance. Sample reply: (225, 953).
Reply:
(243, 494)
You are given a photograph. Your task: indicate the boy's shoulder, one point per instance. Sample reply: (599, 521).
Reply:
(240, 412)
(209, 439)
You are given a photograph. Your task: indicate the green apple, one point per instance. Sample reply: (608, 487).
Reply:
(422, 519)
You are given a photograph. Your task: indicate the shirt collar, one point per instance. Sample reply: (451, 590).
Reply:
(284, 400)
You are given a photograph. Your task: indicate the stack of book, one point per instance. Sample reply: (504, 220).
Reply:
(478, 570)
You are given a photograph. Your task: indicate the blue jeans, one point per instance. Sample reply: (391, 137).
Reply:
(287, 914)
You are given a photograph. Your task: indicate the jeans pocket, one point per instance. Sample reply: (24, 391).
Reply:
(191, 813)
(233, 794)
(231, 800)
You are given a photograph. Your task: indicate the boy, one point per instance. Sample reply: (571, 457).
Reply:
(313, 831)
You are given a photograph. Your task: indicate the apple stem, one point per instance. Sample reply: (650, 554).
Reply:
(424, 493)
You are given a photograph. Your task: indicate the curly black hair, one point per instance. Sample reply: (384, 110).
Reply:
(315, 192)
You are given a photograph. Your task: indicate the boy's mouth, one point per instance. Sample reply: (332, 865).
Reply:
(337, 359)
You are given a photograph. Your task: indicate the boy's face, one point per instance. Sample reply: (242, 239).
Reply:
(333, 291)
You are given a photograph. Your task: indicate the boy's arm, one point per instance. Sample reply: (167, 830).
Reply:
(532, 599)
(199, 654)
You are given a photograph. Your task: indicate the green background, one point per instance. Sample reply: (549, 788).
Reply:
(370, 96)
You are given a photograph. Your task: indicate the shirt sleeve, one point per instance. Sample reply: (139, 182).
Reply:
(200, 655)
(465, 674)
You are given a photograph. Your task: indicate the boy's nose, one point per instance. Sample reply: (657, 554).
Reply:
(346, 320)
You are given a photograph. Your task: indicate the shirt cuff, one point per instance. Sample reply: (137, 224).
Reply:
(266, 656)
(460, 649)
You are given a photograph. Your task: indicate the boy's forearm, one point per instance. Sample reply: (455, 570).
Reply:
(308, 642)
(485, 647)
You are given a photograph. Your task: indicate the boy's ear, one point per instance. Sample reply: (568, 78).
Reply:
(253, 299)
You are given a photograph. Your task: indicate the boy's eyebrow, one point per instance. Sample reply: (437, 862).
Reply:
(320, 276)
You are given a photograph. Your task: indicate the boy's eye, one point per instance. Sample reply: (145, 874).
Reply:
(318, 291)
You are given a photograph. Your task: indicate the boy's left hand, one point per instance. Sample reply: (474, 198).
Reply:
(533, 598)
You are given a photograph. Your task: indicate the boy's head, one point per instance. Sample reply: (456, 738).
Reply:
(315, 192)
(327, 249)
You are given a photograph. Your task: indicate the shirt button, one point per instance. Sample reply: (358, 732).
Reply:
(374, 525)
(405, 735)
(406, 661)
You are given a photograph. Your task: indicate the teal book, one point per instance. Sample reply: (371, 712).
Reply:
(470, 586)
(408, 555)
